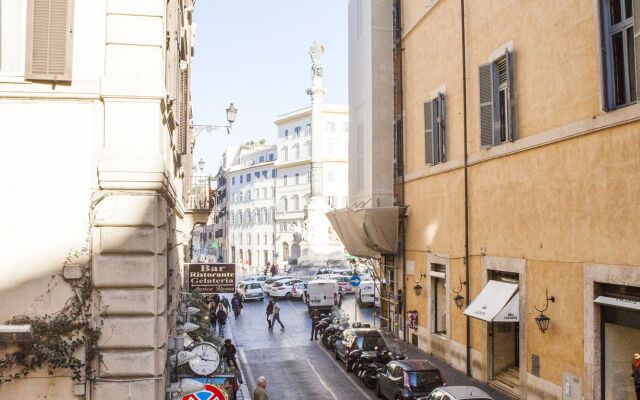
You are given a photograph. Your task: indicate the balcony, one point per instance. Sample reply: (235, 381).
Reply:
(200, 196)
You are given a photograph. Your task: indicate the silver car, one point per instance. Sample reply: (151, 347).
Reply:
(458, 393)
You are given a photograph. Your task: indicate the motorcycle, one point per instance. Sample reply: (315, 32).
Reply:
(369, 371)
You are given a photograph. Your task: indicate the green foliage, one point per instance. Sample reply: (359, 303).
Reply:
(57, 338)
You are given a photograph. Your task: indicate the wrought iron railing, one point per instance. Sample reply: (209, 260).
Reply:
(200, 194)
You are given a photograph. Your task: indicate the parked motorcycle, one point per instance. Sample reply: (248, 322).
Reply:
(369, 371)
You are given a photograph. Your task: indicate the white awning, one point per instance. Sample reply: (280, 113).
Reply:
(618, 302)
(495, 298)
(367, 232)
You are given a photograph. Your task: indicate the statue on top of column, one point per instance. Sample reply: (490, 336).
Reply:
(315, 52)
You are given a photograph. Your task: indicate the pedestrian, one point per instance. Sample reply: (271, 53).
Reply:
(273, 270)
(216, 298)
(235, 304)
(270, 314)
(229, 353)
(260, 392)
(315, 318)
(276, 316)
(221, 316)
(212, 316)
(226, 304)
(635, 373)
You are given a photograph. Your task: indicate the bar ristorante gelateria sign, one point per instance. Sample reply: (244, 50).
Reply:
(212, 278)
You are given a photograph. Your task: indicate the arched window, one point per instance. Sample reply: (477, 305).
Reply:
(285, 153)
(308, 148)
(240, 217)
(247, 216)
(296, 152)
(283, 204)
(295, 203)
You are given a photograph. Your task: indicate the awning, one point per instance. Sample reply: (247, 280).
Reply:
(497, 302)
(618, 302)
(367, 232)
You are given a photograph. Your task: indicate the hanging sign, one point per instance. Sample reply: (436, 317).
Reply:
(413, 319)
(212, 278)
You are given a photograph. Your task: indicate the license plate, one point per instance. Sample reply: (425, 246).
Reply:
(315, 301)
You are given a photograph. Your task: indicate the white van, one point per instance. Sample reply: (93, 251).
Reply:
(365, 294)
(323, 294)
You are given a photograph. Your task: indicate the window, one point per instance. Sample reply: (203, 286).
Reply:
(307, 131)
(273, 191)
(271, 157)
(256, 193)
(264, 174)
(265, 238)
(261, 159)
(248, 238)
(248, 177)
(283, 204)
(308, 145)
(296, 203)
(330, 126)
(13, 18)
(247, 196)
(233, 180)
(286, 134)
(241, 178)
(264, 193)
(285, 154)
(438, 299)
(296, 152)
(284, 180)
(345, 127)
(620, 53)
(497, 101)
(297, 131)
(297, 179)
(273, 173)
(434, 131)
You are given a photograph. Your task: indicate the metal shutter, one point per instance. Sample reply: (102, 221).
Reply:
(49, 40)
(487, 89)
(511, 91)
(182, 111)
(428, 133)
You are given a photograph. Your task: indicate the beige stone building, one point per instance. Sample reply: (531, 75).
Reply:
(520, 128)
(95, 111)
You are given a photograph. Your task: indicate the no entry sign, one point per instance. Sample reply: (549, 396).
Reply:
(212, 278)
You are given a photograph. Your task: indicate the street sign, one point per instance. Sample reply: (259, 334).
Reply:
(355, 280)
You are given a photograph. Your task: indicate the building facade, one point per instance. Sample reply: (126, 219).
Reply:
(96, 96)
(293, 186)
(520, 125)
(251, 207)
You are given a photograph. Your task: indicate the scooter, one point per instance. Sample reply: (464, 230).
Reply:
(369, 372)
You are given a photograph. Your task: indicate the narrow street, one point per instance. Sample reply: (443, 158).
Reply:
(295, 367)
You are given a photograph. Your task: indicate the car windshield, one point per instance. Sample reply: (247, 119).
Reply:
(370, 343)
(278, 284)
(420, 379)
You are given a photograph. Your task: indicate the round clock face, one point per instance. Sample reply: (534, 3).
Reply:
(207, 359)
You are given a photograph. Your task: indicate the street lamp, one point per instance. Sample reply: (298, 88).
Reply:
(201, 164)
(542, 320)
(458, 299)
(231, 118)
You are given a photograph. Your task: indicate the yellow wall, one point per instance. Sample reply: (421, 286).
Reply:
(557, 201)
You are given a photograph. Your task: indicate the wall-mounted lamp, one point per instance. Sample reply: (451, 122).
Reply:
(418, 289)
(458, 299)
(542, 320)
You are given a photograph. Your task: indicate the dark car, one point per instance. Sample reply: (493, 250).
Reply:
(355, 342)
(408, 379)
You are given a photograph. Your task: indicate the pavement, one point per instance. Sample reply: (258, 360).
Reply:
(297, 368)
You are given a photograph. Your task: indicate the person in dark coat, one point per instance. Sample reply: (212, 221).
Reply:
(235, 305)
(212, 316)
(226, 304)
(229, 351)
(221, 316)
(270, 314)
(315, 318)
(273, 270)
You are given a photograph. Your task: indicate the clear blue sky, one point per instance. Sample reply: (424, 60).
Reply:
(255, 53)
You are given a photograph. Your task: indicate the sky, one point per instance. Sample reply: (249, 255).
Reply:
(254, 53)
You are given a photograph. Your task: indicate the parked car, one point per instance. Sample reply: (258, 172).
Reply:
(357, 341)
(266, 286)
(259, 278)
(323, 294)
(408, 379)
(366, 293)
(283, 288)
(251, 290)
(459, 393)
(299, 291)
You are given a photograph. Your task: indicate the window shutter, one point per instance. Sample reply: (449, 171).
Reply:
(636, 33)
(442, 128)
(428, 132)
(511, 92)
(49, 40)
(182, 111)
(487, 125)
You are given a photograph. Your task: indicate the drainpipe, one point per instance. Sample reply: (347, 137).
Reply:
(466, 184)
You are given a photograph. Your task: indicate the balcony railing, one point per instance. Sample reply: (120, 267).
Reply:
(200, 194)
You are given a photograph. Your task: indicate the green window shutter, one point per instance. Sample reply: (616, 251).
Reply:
(49, 40)
(636, 34)
(511, 92)
(428, 133)
(487, 110)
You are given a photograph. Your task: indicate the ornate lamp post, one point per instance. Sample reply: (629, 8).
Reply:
(231, 118)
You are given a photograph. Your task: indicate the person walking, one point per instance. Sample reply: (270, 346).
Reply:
(635, 373)
(229, 353)
(270, 314)
(273, 270)
(260, 392)
(315, 318)
(226, 304)
(221, 316)
(213, 319)
(235, 304)
(276, 316)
